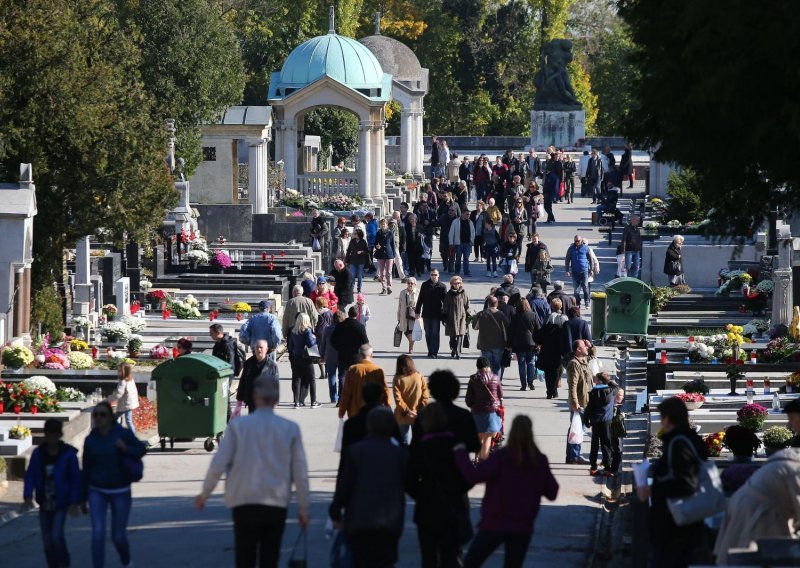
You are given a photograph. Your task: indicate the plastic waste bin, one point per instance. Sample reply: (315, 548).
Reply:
(627, 307)
(192, 398)
(598, 321)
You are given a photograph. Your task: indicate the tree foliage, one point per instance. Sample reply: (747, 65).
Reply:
(337, 128)
(716, 92)
(684, 188)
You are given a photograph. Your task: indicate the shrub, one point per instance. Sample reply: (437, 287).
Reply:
(46, 309)
(80, 361)
(777, 437)
(684, 203)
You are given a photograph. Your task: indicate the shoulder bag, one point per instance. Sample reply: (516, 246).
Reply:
(505, 358)
(707, 501)
(295, 558)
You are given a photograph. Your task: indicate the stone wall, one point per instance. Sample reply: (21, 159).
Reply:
(234, 222)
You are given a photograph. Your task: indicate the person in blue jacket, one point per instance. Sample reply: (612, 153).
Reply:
(55, 477)
(263, 325)
(106, 481)
(599, 413)
(371, 232)
(577, 265)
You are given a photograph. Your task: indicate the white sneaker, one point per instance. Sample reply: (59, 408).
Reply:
(488, 273)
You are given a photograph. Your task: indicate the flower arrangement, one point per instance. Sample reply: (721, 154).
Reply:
(19, 432)
(80, 361)
(696, 386)
(766, 287)
(673, 223)
(777, 437)
(40, 383)
(156, 296)
(197, 256)
(135, 307)
(690, 397)
(755, 302)
(199, 243)
(241, 307)
(78, 345)
(145, 417)
(117, 358)
(734, 334)
(732, 280)
(741, 441)
(19, 398)
(220, 260)
(699, 351)
(69, 394)
(714, 443)
(159, 352)
(116, 331)
(651, 225)
(52, 358)
(109, 310)
(80, 321)
(752, 416)
(341, 202)
(186, 308)
(145, 284)
(663, 294)
(136, 325)
(780, 349)
(16, 356)
(134, 344)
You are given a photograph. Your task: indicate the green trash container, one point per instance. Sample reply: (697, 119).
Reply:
(193, 393)
(627, 307)
(598, 321)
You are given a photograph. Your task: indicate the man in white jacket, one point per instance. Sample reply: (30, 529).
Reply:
(582, 165)
(261, 456)
(462, 237)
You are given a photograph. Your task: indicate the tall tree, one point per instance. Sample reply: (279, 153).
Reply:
(725, 108)
(74, 105)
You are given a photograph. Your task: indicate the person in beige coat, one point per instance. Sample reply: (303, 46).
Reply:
(766, 506)
(299, 304)
(406, 316)
(454, 313)
(126, 396)
(410, 395)
(579, 383)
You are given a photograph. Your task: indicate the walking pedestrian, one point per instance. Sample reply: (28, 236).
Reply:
(539, 304)
(583, 166)
(357, 258)
(262, 456)
(262, 325)
(399, 236)
(491, 247)
(347, 338)
(355, 427)
(430, 307)
(632, 247)
(125, 395)
(455, 308)
(594, 175)
(508, 254)
(406, 310)
(410, 395)
(319, 233)
(517, 477)
(54, 477)
(297, 305)
(579, 383)
(303, 378)
(256, 366)
(484, 398)
(461, 238)
(364, 313)
(551, 185)
(369, 501)
(478, 218)
(673, 262)
(549, 340)
(342, 244)
(342, 285)
(107, 483)
(578, 264)
(492, 326)
(444, 388)
(532, 254)
(626, 166)
(414, 246)
(575, 328)
(324, 321)
(330, 358)
(385, 253)
(522, 332)
(371, 230)
(599, 413)
(225, 348)
(364, 371)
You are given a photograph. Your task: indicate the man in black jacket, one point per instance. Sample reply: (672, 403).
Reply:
(347, 338)
(224, 345)
(430, 303)
(444, 387)
(594, 175)
(567, 300)
(259, 365)
(632, 248)
(355, 427)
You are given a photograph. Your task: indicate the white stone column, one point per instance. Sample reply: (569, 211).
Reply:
(364, 160)
(378, 161)
(407, 132)
(420, 146)
(290, 154)
(257, 175)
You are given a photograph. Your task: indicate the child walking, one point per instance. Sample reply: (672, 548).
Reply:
(599, 413)
(491, 245)
(363, 310)
(55, 477)
(126, 396)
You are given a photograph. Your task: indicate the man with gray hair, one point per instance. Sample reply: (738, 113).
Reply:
(399, 237)
(352, 399)
(299, 304)
(261, 456)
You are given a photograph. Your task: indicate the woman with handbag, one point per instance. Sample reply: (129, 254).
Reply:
(357, 257)
(673, 262)
(454, 315)
(484, 398)
(675, 474)
(406, 316)
(524, 325)
(301, 345)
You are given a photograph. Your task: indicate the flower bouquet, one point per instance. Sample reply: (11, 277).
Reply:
(40, 383)
(19, 432)
(53, 358)
(78, 345)
(116, 331)
(197, 256)
(186, 308)
(698, 386)
(220, 260)
(752, 416)
(159, 352)
(735, 371)
(699, 351)
(766, 287)
(714, 443)
(69, 394)
(80, 361)
(136, 325)
(145, 284)
(674, 223)
(117, 358)
(776, 438)
(110, 310)
(692, 400)
(780, 349)
(155, 297)
(240, 308)
(17, 356)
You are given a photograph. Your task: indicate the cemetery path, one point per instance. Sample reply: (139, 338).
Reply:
(165, 530)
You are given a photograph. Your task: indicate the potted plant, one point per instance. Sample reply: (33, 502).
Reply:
(742, 442)
(80, 361)
(752, 416)
(16, 356)
(19, 432)
(156, 298)
(159, 352)
(241, 308)
(692, 400)
(696, 386)
(110, 310)
(776, 438)
(220, 260)
(714, 443)
(792, 383)
(134, 345)
(195, 257)
(116, 332)
(734, 370)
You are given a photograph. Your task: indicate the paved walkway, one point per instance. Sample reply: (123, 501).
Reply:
(167, 531)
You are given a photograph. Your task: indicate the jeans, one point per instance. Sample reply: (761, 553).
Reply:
(357, 270)
(405, 433)
(486, 542)
(491, 260)
(569, 188)
(580, 281)
(600, 439)
(303, 379)
(550, 381)
(55, 544)
(334, 380)
(128, 416)
(527, 368)
(573, 450)
(433, 328)
(548, 207)
(594, 185)
(258, 532)
(495, 357)
(463, 251)
(438, 548)
(633, 261)
(385, 271)
(120, 511)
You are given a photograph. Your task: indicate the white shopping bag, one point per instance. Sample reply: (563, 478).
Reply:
(575, 435)
(337, 445)
(416, 333)
(513, 268)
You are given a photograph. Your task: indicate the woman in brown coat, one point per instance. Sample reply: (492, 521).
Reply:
(410, 395)
(454, 314)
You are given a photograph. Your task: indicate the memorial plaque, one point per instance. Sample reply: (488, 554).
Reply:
(766, 267)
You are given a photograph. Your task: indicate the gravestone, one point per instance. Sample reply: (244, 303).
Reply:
(83, 287)
(766, 267)
(134, 266)
(158, 261)
(96, 298)
(110, 268)
(122, 292)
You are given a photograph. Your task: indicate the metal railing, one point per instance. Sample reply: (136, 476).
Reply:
(328, 183)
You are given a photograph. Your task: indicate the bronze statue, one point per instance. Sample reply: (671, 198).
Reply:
(553, 88)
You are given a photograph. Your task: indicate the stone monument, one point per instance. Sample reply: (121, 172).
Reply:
(557, 117)
(83, 286)
(181, 216)
(122, 294)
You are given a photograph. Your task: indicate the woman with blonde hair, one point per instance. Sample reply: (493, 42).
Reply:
(406, 314)
(454, 310)
(517, 477)
(410, 395)
(301, 337)
(126, 395)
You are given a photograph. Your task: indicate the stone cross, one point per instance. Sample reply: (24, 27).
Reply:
(377, 23)
(331, 17)
(122, 292)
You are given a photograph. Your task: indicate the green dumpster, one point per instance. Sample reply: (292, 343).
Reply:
(627, 307)
(192, 398)
(598, 321)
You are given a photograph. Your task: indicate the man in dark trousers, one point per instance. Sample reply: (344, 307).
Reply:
(632, 248)
(369, 502)
(257, 366)
(355, 427)
(444, 388)
(429, 306)
(551, 183)
(347, 338)
(594, 175)
(224, 345)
